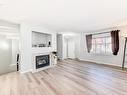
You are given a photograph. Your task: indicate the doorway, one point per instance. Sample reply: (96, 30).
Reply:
(70, 48)
(65, 46)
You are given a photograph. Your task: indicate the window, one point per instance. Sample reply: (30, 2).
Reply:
(101, 44)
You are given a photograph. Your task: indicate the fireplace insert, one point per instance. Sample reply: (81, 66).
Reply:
(42, 61)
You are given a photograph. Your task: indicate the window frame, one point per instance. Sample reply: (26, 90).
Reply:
(105, 44)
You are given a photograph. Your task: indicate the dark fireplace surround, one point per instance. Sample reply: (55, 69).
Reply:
(42, 61)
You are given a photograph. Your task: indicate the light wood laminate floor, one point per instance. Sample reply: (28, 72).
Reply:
(69, 77)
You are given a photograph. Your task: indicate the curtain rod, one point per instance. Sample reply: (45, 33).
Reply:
(102, 32)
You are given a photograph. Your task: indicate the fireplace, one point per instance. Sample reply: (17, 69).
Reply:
(42, 61)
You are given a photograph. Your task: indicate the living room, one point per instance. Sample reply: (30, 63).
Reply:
(63, 47)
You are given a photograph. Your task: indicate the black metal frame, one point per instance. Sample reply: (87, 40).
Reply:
(43, 65)
(124, 53)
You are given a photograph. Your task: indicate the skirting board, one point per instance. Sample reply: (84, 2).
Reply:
(101, 63)
(34, 71)
(22, 72)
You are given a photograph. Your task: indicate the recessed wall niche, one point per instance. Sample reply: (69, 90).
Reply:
(41, 39)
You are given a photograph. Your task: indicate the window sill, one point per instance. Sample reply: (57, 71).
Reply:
(102, 54)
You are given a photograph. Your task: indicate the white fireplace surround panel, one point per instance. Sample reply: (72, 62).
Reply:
(34, 61)
(27, 52)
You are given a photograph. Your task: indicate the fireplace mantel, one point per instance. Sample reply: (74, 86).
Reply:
(38, 50)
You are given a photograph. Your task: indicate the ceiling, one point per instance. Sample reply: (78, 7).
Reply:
(66, 15)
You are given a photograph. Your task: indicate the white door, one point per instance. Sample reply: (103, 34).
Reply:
(71, 48)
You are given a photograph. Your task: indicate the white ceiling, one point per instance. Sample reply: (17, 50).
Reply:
(66, 15)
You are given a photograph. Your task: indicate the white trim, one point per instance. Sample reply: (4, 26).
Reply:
(97, 62)
(22, 72)
(12, 65)
(43, 68)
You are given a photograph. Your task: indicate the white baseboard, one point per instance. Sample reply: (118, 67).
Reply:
(22, 72)
(97, 62)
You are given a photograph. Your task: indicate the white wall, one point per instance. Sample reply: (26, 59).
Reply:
(5, 54)
(8, 51)
(8, 31)
(26, 44)
(102, 59)
(15, 51)
(64, 48)
(77, 45)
